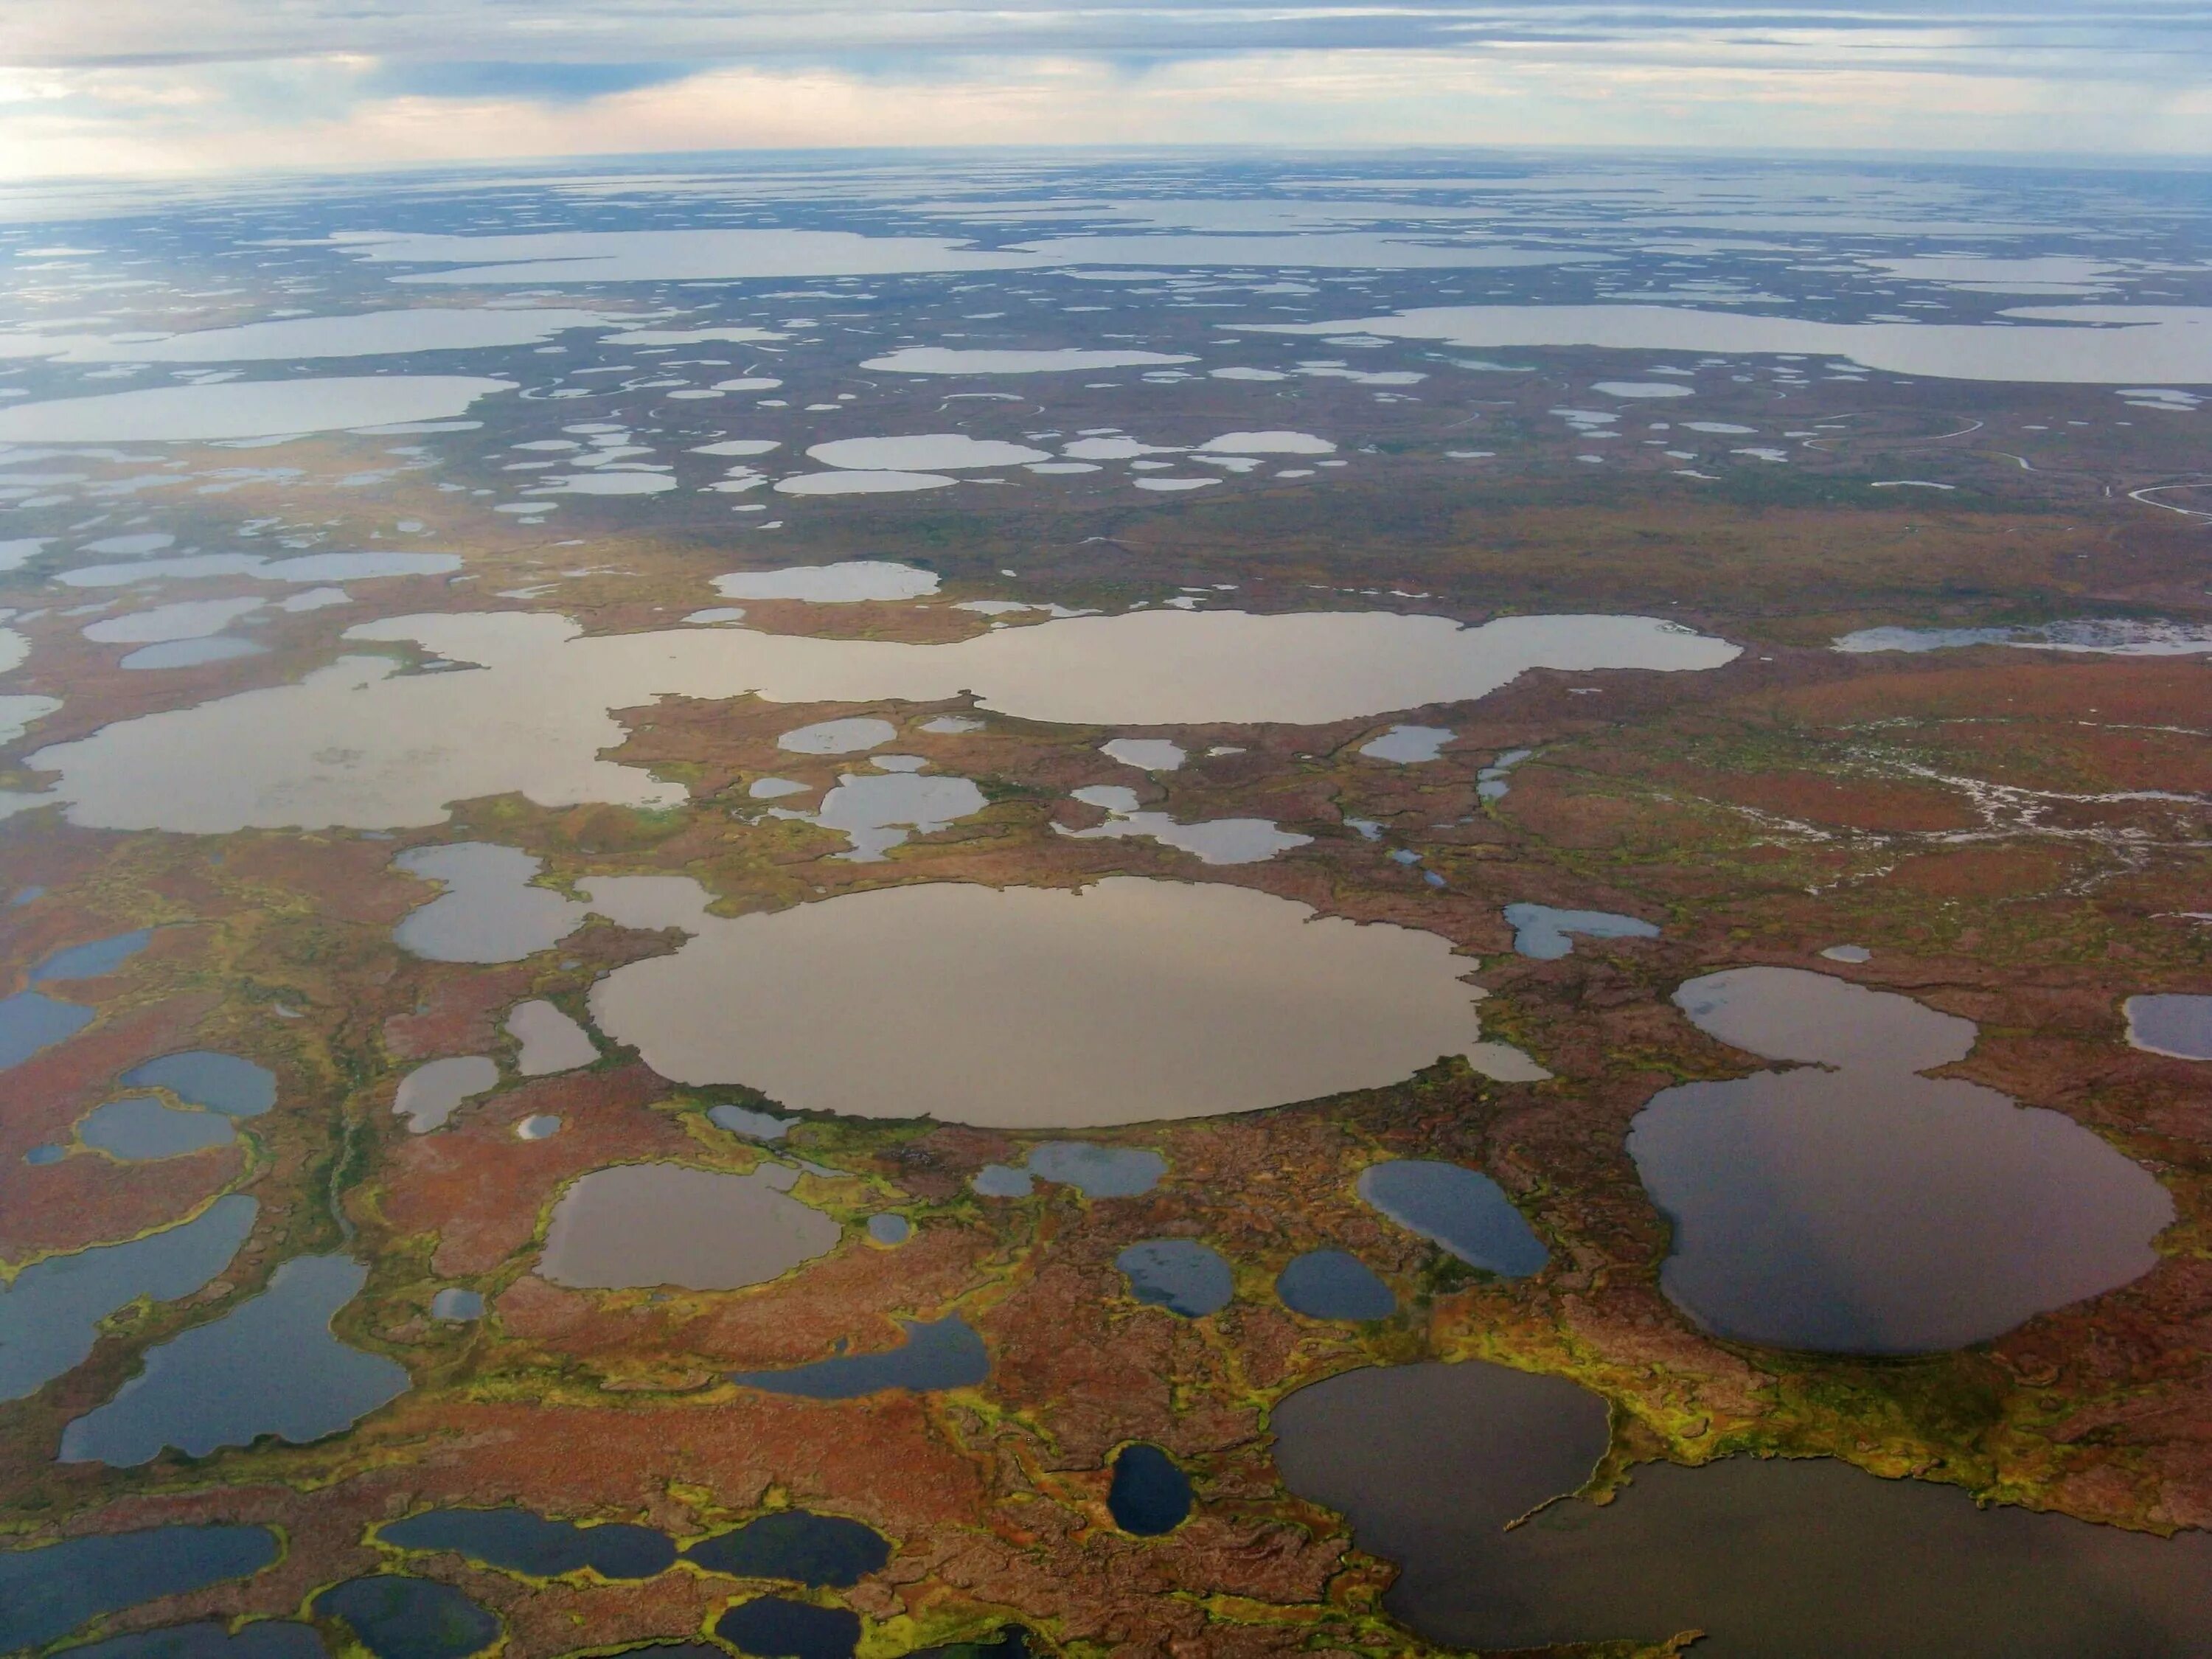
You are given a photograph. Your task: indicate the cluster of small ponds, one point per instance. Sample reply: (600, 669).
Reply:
(1846, 1202)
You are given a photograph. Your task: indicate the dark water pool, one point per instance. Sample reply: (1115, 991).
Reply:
(946, 1353)
(49, 1591)
(822, 1550)
(396, 1617)
(1150, 1494)
(1334, 1284)
(1773, 1558)
(771, 1627)
(518, 1541)
(266, 1638)
(49, 1317)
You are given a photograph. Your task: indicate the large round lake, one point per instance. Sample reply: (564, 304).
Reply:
(1030, 1007)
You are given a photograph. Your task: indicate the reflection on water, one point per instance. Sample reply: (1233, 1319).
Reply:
(488, 912)
(1810, 1559)
(271, 1365)
(357, 744)
(1869, 1208)
(1034, 1007)
(49, 1590)
(640, 1225)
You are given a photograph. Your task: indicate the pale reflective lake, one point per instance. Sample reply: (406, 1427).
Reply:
(1029, 1007)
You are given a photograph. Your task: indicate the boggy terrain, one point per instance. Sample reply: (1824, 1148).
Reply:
(2015, 836)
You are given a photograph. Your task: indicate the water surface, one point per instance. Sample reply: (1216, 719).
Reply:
(1179, 1274)
(490, 911)
(551, 1042)
(1334, 1284)
(47, 1591)
(1128, 1001)
(271, 1365)
(1150, 1494)
(518, 1541)
(1409, 745)
(1544, 932)
(945, 1353)
(265, 1638)
(1808, 1557)
(50, 1314)
(428, 1096)
(396, 1617)
(822, 1550)
(357, 742)
(140, 1128)
(205, 1077)
(1461, 1209)
(639, 1225)
(2178, 1026)
(773, 1627)
(1854, 1206)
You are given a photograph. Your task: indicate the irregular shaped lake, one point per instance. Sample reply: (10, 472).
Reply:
(640, 1225)
(48, 1591)
(1179, 1274)
(773, 1627)
(1808, 1557)
(488, 912)
(1125, 1002)
(517, 1541)
(1869, 1209)
(265, 1638)
(358, 744)
(271, 1365)
(1544, 932)
(49, 1316)
(824, 1550)
(946, 1353)
(396, 1617)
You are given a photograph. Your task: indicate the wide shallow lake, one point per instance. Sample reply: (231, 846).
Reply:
(50, 1314)
(1030, 1008)
(48, 1591)
(357, 742)
(271, 1365)
(944, 1354)
(1852, 1204)
(640, 1225)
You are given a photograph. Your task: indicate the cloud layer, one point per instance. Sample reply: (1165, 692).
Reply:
(143, 86)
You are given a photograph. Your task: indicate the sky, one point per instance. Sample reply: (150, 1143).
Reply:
(125, 88)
